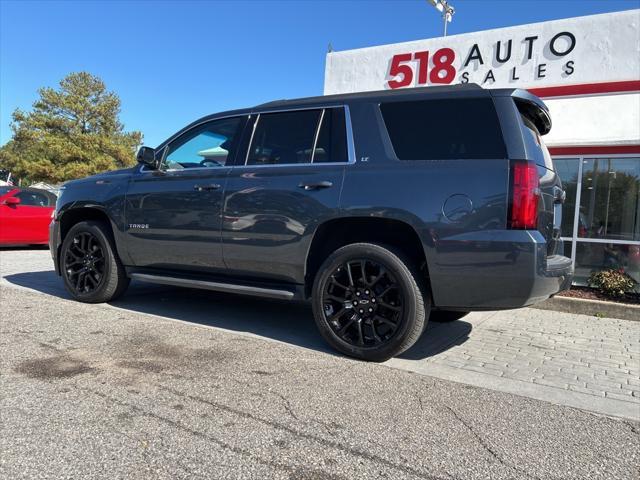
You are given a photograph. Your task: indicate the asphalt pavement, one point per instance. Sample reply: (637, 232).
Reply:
(248, 390)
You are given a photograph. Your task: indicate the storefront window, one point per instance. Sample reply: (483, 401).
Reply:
(591, 257)
(609, 199)
(567, 169)
(607, 220)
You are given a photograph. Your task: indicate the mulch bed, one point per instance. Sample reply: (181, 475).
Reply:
(591, 294)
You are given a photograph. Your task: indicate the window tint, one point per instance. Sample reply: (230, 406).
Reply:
(207, 146)
(332, 139)
(283, 138)
(33, 199)
(444, 129)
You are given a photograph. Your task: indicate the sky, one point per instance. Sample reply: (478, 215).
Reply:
(172, 62)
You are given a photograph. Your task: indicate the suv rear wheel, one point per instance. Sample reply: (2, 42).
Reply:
(91, 269)
(367, 302)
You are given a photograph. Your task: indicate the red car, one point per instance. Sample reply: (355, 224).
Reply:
(25, 214)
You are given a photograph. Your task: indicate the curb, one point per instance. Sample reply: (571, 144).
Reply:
(596, 308)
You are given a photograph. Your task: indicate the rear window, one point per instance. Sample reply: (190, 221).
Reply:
(448, 129)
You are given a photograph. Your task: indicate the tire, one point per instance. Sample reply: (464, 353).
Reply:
(447, 315)
(397, 300)
(89, 264)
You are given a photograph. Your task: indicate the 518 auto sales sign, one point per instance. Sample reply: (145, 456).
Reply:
(582, 50)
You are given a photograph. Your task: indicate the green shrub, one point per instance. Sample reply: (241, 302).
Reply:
(612, 283)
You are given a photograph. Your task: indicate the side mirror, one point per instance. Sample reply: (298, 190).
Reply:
(12, 201)
(147, 157)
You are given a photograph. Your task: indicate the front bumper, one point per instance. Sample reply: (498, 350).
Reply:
(495, 270)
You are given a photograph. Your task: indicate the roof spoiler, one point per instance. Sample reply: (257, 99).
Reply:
(534, 109)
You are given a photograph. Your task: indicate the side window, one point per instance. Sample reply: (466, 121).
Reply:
(209, 145)
(283, 138)
(463, 128)
(32, 199)
(332, 139)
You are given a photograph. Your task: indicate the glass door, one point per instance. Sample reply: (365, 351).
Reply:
(601, 217)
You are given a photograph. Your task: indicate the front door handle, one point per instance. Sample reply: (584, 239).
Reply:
(315, 185)
(202, 188)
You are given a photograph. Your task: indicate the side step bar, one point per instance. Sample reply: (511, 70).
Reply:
(216, 286)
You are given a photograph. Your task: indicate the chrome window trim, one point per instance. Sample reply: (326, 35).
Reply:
(253, 132)
(351, 151)
(193, 169)
(315, 138)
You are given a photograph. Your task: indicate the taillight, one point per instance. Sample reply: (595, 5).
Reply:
(525, 193)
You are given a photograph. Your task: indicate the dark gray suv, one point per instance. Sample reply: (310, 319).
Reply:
(382, 208)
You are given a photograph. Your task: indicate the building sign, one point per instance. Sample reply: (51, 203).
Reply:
(581, 50)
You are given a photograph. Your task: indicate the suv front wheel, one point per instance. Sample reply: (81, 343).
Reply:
(91, 269)
(367, 302)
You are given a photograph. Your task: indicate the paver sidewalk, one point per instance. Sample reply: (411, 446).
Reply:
(587, 362)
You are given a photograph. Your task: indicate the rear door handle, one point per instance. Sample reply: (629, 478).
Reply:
(315, 185)
(202, 188)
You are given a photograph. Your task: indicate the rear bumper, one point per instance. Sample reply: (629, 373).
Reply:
(54, 243)
(495, 270)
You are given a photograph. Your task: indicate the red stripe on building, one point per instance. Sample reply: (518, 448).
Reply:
(596, 150)
(587, 89)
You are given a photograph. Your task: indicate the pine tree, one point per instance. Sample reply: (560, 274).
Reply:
(72, 132)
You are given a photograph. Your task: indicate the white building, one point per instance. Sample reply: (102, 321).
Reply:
(587, 70)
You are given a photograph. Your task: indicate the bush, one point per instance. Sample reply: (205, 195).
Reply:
(612, 283)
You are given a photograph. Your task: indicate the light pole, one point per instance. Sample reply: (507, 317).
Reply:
(447, 10)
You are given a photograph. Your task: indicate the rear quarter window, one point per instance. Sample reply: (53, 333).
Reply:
(444, 129)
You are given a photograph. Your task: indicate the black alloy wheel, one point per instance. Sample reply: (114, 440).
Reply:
(89, 263)
(363, 303)
(369, 301)
(84, 263)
